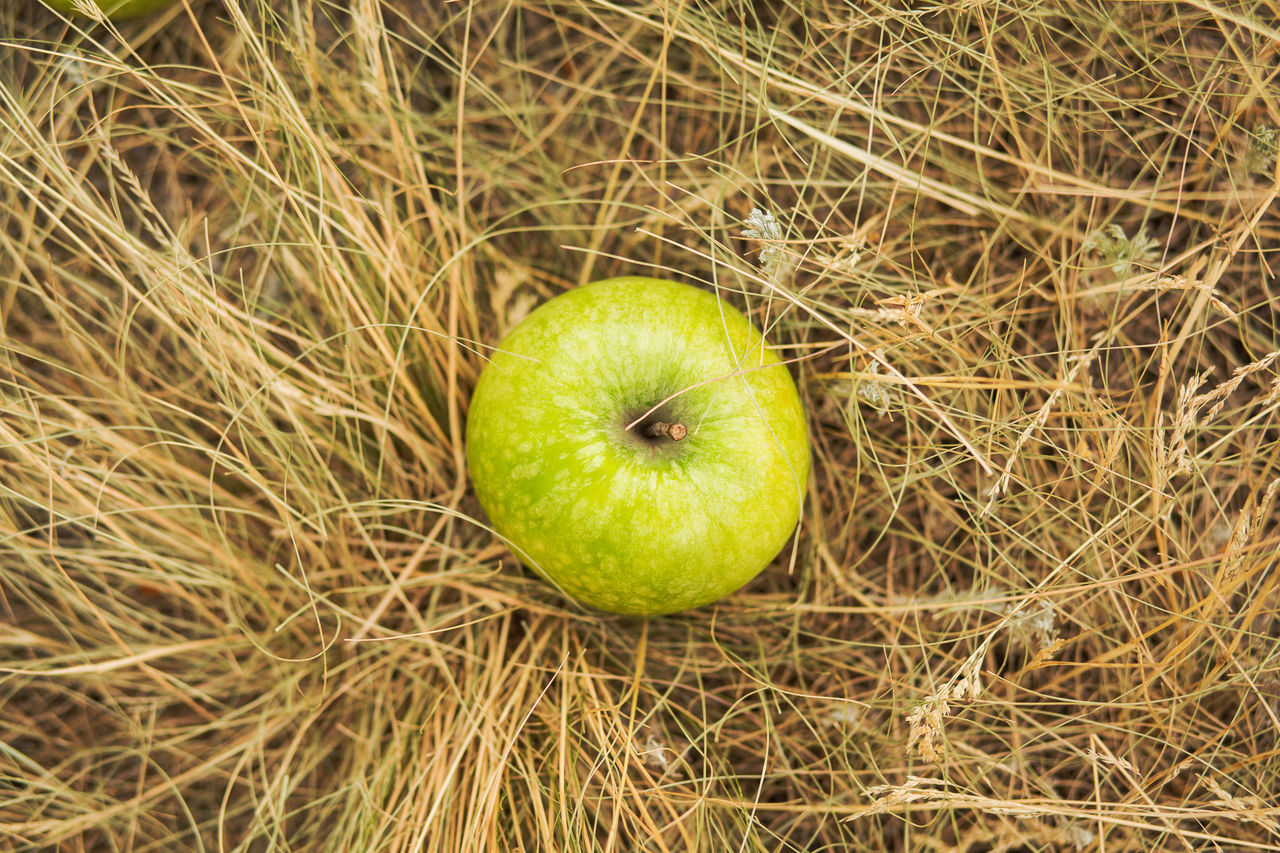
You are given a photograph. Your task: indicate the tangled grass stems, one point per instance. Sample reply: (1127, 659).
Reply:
(254, 253)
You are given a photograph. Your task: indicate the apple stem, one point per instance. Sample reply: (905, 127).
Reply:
(675, 432)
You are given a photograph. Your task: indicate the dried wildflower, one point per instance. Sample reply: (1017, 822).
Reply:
(774, 260)
(762, 225)
(873, 392)
(1033, 628)
(847, 258)
(74, 69)
(845, 715)
(1078, 836)
(1118, 251)
(905, 310)
(1264, 146)
(655, 753)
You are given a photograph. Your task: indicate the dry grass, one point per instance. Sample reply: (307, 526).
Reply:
(1024, 254)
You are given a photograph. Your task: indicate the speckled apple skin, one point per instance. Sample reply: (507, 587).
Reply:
(116, 10)
(617, 522)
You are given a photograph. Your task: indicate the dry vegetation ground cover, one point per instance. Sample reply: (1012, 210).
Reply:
(1024, 256)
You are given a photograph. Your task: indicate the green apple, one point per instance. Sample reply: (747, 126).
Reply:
(116, 10)
(638, 446)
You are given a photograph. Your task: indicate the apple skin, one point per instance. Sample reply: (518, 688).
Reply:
(116, 10)
(616, 519)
